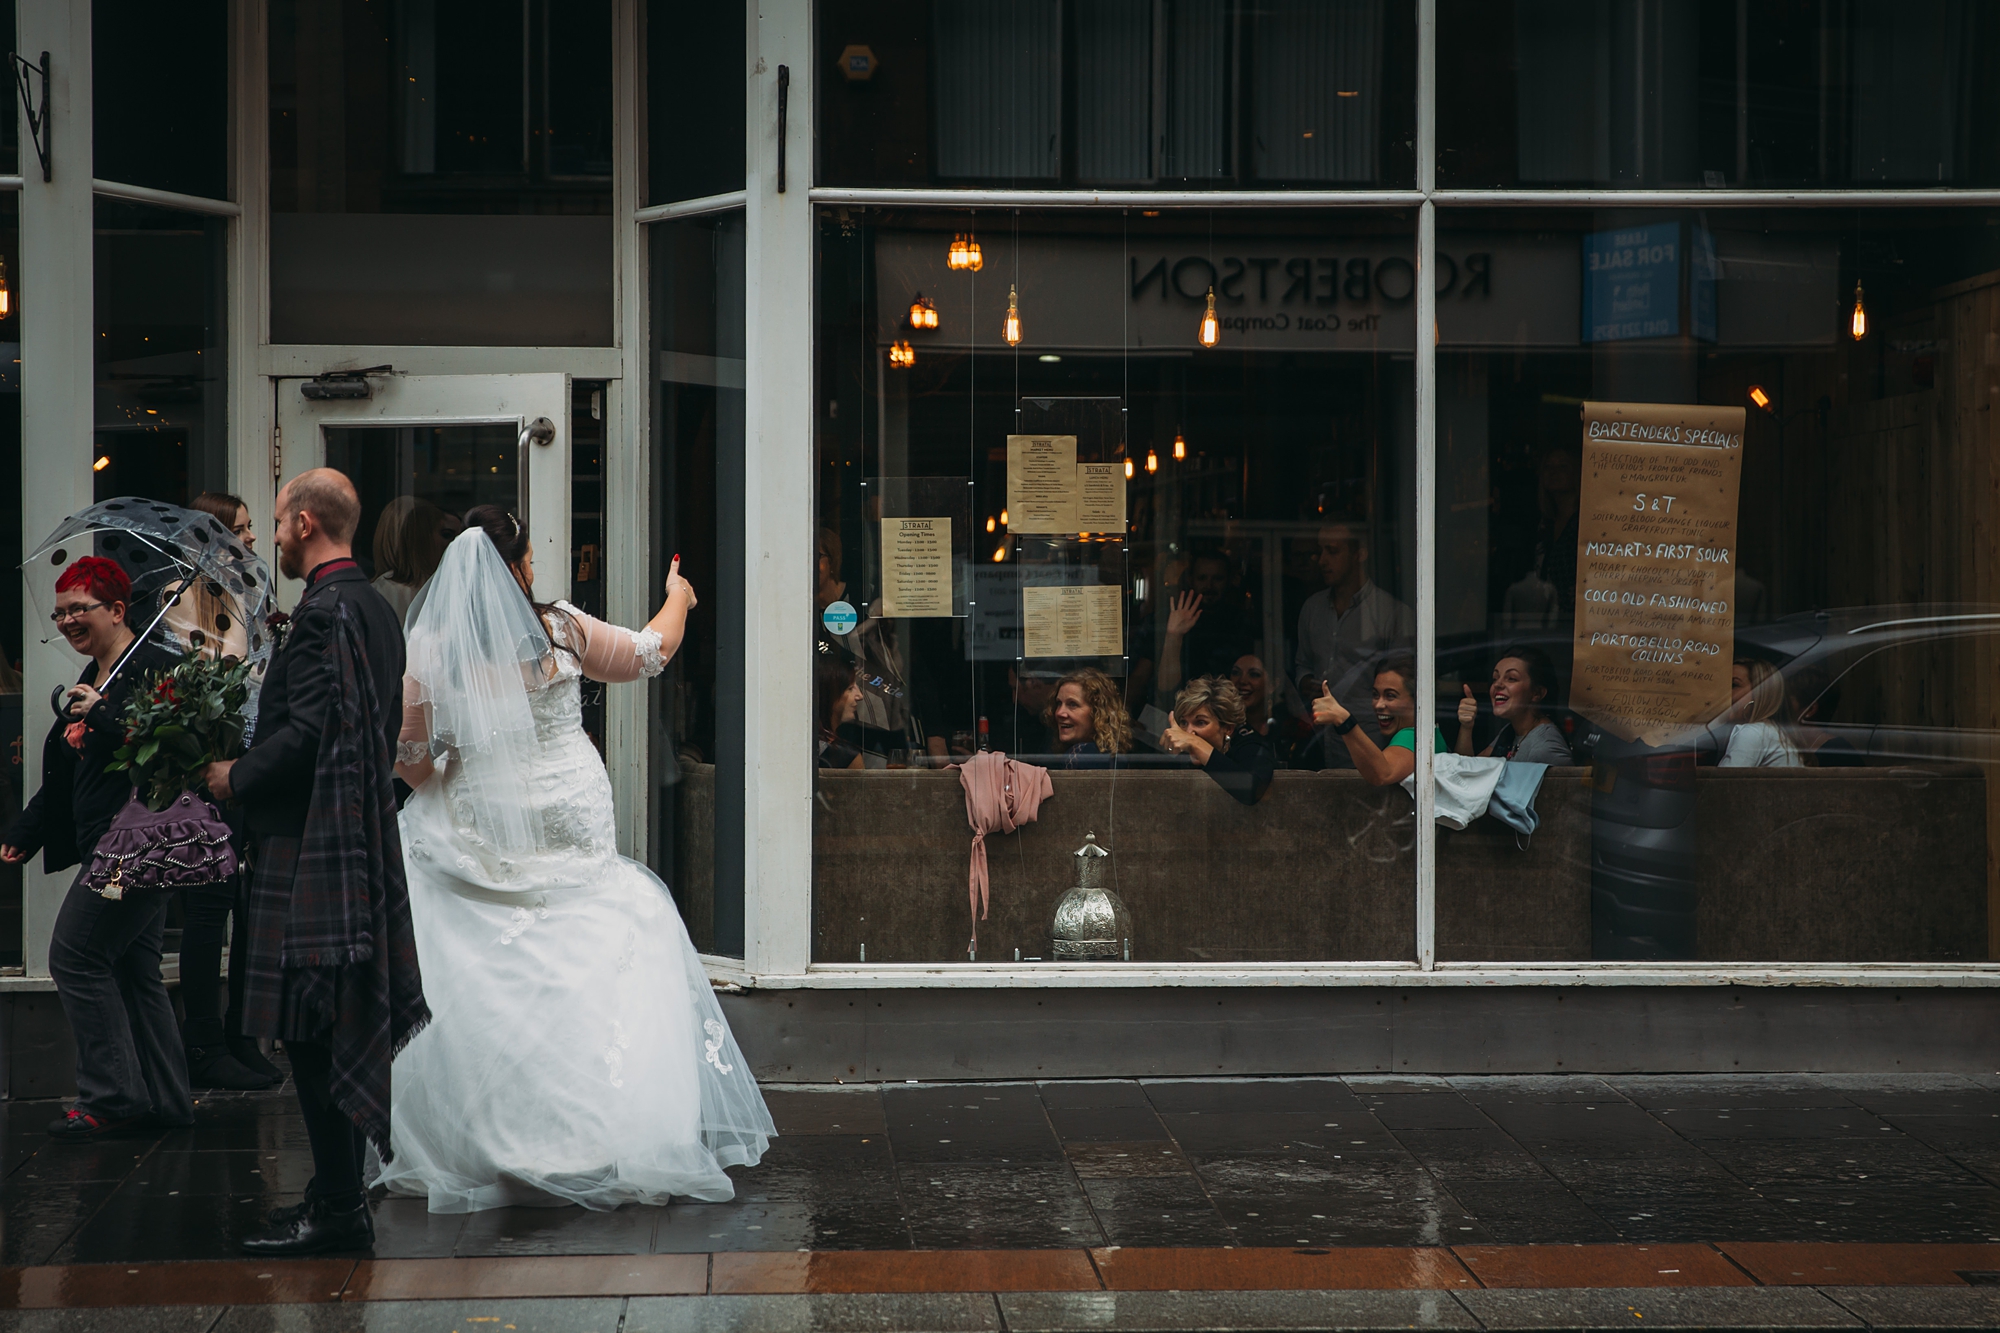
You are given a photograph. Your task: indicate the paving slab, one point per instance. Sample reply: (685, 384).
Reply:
(859, 1313)
(1227, 1312)
(133, 1319)
(561, 1316)
(1922, 1307)
(1665, 1307)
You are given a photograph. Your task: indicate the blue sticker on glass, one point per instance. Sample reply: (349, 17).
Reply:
(839, 618)
(1632, 283)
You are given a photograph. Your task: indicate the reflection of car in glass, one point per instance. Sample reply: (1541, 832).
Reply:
(1896, 673)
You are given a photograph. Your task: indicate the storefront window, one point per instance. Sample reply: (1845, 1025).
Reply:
(12, 644)
(1054, 523)
(160, 94)
(1693, 93)
(1311, 94)
(162, 377)
(441, 172)
(696, 75)
(1715, 493)
(696, 511)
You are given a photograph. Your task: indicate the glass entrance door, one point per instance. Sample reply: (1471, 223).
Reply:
(422, 450)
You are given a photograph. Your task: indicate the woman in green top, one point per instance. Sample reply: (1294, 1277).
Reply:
(1395, 714)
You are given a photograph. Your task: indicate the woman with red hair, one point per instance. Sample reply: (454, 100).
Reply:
(104, 953)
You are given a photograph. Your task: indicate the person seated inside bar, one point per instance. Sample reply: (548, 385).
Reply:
(1812, 695)
(1523, 681)
(1762, 735)
(1264, 713)
(836, 694)
(1207, 726)
(1209, 624)
(1027, 731)
(1088, 718)
(1395, 700)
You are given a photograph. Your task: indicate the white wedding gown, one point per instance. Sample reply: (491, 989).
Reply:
(576, 1052)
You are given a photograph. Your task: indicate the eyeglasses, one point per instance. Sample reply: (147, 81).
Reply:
(63, 613)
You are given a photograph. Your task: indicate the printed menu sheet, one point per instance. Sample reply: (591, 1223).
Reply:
(1087, 621)
(1100, 497)
(1656, 567)
(1041, 484)
(916, 566)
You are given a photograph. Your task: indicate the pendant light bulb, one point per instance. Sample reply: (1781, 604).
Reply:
(1128, 469)
(1211, 330)
(901, 355)
(973, 259)
(923, 312)
(1180, 447)
(1152, 461)
(1011, 330)
(1859, 325)
(1003, 518)
(6, 295)
(954, 258)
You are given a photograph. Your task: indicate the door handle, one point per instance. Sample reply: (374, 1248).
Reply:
(784, 108)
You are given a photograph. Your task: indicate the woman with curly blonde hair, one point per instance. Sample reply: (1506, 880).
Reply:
(1207, 725)
(1088, 716)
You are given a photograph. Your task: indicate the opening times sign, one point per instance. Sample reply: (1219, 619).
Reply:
(1656, 567)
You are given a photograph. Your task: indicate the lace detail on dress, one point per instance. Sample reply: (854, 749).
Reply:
(413, 752)
(712, 1048)
(522, 919)
(646, 643)
(614, 1054)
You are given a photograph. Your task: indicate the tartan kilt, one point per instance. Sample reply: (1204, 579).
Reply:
(266, 1013)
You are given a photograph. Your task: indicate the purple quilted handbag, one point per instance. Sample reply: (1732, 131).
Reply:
(157, 851)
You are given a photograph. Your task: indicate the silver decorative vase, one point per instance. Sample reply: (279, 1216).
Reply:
(1091, 921)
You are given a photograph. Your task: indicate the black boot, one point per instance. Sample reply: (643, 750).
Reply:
(246, 1053)
(313, 1229)
(212, 1066)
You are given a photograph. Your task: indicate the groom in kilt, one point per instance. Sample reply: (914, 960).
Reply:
(332, 968)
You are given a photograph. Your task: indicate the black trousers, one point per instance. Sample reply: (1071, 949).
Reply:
(105, 958)
(210, 911)
(338, 1147)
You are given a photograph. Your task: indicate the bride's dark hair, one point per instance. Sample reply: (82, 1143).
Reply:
(509, 536)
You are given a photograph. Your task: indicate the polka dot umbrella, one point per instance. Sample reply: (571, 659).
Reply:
(194, 585)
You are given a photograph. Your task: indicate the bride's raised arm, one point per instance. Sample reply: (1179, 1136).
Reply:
(413, 745)
(612, 653)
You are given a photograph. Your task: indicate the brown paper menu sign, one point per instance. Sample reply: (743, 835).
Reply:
(1656, 567)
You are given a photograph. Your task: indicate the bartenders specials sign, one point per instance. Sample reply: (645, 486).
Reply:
(1656, 567)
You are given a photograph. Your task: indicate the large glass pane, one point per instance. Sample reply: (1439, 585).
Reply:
(440, 172)
(1717, 93)
(161, 369)
(696, 511)
(697, 76)
(160, 94)
(1279, 94)
(1716, 496)
(11, 600)
(1057, 546)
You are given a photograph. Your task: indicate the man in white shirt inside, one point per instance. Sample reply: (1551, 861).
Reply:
(1345, 630)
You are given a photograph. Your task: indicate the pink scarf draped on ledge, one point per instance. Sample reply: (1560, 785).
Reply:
(1001, 794)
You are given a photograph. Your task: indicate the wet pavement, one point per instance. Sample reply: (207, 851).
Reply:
(1260, 1163)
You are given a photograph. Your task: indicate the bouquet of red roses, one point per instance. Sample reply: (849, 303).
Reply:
(185, 718)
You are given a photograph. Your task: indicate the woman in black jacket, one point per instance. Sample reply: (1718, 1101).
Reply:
(104, 954)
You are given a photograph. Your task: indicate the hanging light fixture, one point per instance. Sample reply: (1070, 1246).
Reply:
(999, 554)
(901, 355)
(1180, 447)
(923, 312)
(1003, 518)
(1011, 330)
(1152, 461)
(1859, 324)
(990, 525)
(1128, 469)
(1761, 399)
(6, 296)
(1211, 330)
(964, 253)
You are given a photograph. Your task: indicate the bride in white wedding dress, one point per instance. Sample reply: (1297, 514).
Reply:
(576, 1052)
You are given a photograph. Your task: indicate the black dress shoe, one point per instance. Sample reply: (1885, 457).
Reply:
(211, 1067)
(77, 1125)
(315, 1228)
(246, 1053)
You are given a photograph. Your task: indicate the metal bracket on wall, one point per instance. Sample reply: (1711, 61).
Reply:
(37, 115)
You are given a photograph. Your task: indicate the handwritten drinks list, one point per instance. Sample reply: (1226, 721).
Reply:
(1656, 567)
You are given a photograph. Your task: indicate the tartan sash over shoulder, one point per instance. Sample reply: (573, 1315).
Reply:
(347, 972)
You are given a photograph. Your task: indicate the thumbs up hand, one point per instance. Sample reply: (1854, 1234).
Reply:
(1468, 709)
(1327, 711)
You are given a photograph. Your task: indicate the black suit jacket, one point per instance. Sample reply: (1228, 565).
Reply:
(274, 781)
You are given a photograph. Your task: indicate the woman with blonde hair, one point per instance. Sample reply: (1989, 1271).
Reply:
(1762, 737)
(1207, 725)
(1088, 717)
